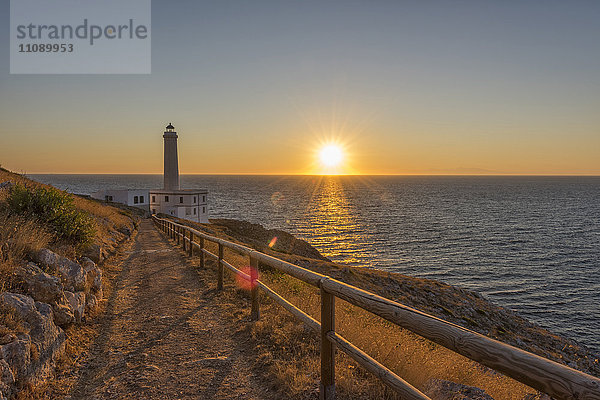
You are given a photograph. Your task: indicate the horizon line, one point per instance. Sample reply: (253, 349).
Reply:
(307, 174)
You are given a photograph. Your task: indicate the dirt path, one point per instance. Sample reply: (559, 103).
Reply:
(164, 335)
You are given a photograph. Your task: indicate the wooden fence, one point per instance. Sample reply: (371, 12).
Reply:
(556, 380)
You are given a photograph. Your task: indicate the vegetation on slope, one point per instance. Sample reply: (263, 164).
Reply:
(52, 207)
(35, 216)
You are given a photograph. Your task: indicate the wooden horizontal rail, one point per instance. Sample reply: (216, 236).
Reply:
(233, 269)
(547, 376)
(298, 313)
(303, 274)
(208, 253)
(540, 373)
(403, 388)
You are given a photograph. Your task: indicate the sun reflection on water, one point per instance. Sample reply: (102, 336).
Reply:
(332, 221)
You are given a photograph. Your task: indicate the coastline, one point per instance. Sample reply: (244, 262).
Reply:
(454, 304)
(537, 256)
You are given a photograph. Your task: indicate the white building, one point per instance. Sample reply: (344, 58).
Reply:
(187, 204)
(132, 197)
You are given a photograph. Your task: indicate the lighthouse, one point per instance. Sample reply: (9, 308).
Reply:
(188, 204)
(171, 164)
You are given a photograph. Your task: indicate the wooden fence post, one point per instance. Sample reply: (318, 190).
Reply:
(201, 252)
(327, 388)
(178, 237)
(220, 268)
(255, 312)
(191, 249)
(183, 238)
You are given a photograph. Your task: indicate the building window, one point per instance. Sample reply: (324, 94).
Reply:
(203, 210)
(204, 199)
(194, 199)
(153, 199)
(135, 200)
(141, 199)
(194, 210)
(166, 198)
(181, 199)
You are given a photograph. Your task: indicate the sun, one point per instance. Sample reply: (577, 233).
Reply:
(331, 156)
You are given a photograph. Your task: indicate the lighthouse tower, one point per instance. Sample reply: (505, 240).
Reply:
(171, 200)
(171, 167)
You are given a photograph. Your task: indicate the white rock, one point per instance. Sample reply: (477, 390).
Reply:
(40, 285)
(73, 276)
(77, 302)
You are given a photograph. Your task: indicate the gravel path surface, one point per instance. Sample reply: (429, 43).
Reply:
(165, 334)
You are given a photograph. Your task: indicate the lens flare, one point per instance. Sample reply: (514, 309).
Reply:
(243, 283)
(272, 242)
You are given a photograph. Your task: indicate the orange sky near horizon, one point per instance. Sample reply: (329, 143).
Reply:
(296, 155)
(451, 150)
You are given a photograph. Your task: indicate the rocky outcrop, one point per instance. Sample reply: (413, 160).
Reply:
(77, 303)
(95, 253)
(17, 354)
(50, 303)
(91, 303)
(40, 285)
(273, 239)
(439, 389)
(64, 314)
(93, 274)
(30, 356)
(7, 379)
(72, 275)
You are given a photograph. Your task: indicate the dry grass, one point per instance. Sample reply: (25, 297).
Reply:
(23, 235)
(289, 352)
(107, 217)
(20, 237)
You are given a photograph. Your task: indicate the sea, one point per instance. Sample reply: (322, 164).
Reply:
(527, 243)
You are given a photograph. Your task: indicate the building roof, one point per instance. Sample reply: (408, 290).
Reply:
(119, 190)
(180, 191)
(170, 126)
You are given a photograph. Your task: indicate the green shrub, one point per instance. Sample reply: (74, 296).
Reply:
(56, 208)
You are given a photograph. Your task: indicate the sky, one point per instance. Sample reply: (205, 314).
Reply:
(404, 87)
